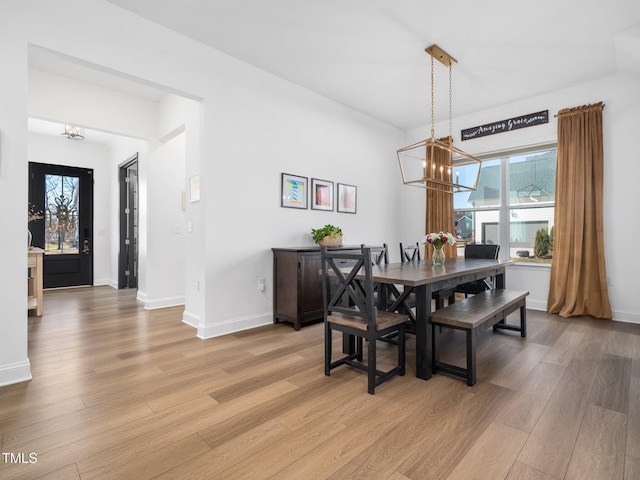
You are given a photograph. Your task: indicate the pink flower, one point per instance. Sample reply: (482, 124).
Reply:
(439, 239)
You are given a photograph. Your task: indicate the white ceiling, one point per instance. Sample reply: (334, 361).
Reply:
(369, 54)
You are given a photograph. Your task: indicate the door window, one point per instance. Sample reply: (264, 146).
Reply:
(61, 214)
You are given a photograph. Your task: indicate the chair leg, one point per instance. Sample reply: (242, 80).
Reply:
(327, 348)
(401, 350)
(371, 366)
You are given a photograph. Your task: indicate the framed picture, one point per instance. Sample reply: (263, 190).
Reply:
(321, 194)
(194, 189)
(347, 198)
(294, 191)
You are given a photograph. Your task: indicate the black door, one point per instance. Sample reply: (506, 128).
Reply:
(128, 259)
(64, 195)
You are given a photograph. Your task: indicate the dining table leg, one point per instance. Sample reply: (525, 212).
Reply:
(423, 332)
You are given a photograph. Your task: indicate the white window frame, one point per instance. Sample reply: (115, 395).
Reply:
(504, 209)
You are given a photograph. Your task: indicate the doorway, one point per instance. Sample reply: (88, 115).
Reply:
(63, 196)
(128, 256)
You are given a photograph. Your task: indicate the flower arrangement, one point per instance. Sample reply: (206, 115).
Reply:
(439, 239)
(33, 214)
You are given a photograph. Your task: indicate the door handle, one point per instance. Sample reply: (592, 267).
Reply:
(85, 247)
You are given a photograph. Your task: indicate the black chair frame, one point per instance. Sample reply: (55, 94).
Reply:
(350, 308)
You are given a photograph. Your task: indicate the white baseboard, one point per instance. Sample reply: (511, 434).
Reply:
(534, 304)
(627, 317)
(163, 302)
(233, 325)
(618, 315)
(191, 319)
(15, 373)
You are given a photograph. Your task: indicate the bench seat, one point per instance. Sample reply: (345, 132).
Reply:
(489, 308)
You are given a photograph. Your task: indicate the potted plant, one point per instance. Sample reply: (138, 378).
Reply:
(327, 236)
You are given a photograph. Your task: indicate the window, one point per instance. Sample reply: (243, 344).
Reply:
(513, 204)
(61, 214)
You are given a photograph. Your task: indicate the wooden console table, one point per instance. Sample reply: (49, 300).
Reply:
(34, 285)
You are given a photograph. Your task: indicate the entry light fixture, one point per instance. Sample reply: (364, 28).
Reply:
(73, 132)
(437, 164)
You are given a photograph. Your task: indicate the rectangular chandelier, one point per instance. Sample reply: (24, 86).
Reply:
(436, 164)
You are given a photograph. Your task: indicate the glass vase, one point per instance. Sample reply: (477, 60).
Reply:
(438, 255)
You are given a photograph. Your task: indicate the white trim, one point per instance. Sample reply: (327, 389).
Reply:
(141, 296)
(537, 303)
(191, 319)
(626, 317)
(15, 373)
(101, 282)
(233, 325)
(163, 302)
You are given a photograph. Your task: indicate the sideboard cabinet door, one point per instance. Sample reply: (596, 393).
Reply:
(297, 280)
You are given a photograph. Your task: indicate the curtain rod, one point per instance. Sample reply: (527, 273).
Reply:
(577, 108)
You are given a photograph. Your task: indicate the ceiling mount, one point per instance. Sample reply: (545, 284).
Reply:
(443, 57)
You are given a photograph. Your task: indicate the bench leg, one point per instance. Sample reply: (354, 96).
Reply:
(523, 321)
(471, 357)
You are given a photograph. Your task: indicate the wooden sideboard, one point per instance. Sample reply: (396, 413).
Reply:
(297, 285)
(34, 280)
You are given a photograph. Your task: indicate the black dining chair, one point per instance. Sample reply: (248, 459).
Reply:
(489, 251)
(379, 253)
(380, 256)
(409, 252)
(358, 317)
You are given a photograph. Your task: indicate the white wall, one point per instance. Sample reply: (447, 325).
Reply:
(52, 97)
(272, 127)
(14, 363)
(251, 127)
(161, 175)
(621, 96)
(166, 225)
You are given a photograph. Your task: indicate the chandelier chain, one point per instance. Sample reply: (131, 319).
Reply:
(450, 108)
(433, 115)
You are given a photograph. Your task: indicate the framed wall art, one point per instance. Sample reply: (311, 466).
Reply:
(347, 198)
(321, 195)
(294, 191)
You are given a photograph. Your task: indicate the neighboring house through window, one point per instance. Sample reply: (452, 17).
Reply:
(513, 204)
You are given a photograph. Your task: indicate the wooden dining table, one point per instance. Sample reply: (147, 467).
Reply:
(423, 278)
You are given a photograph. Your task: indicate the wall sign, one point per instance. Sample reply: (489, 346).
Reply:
(506, 125)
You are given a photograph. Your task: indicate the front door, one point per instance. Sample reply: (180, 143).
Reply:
(64, 195)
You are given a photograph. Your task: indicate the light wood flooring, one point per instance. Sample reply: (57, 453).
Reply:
(123, 393)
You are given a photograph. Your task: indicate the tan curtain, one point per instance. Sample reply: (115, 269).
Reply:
(440, 217)
(578, 277)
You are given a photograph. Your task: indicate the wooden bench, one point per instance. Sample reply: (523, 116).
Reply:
(473, 314)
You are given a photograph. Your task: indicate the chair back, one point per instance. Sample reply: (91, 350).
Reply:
(342, 291)
(379, 254)
(409, 253)
(482, 250)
